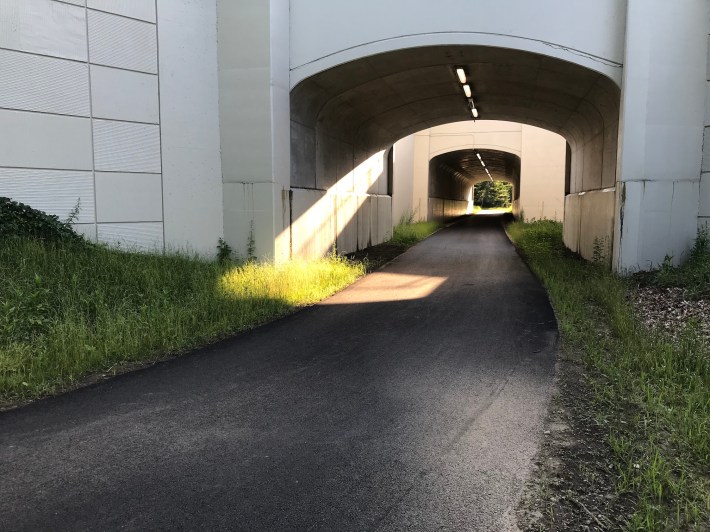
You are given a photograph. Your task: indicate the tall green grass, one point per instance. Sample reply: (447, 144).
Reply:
(653, 392)
(408, 233)
(68, 310)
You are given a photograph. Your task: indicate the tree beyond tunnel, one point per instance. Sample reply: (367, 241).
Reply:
(493, 194)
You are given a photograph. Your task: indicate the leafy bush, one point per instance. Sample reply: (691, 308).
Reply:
(20, 220)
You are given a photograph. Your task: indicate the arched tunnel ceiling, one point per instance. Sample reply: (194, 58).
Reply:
(465, 165)
(372, 102)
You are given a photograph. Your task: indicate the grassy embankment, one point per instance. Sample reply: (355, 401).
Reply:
(68, 310)
(653, 393)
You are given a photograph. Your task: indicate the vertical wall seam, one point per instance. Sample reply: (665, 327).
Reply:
(160, 126)
(91, 120)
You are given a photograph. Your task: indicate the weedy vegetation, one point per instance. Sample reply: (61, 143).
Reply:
(70, 309)
(408, 232)
(693, 276)
(654, 393)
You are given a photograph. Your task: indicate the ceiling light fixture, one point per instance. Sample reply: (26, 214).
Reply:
(461, 74)
(479, 156)
(474, 112)
(467, 90)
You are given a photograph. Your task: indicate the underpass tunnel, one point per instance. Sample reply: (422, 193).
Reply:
(340, 117)
(453, 176)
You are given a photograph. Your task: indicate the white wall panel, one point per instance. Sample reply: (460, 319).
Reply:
(37, 83)
(189, 101)
(34, 140)
(53, 191)
(122, 42)
(128, 197)
(132, 236)
(124, 95)
(126, 147)
(43, 27)
(142, 9)
(81, 3)
(88, 230)
(704, 195)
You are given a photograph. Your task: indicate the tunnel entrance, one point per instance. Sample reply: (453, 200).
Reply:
(454, 175)
(343, 116)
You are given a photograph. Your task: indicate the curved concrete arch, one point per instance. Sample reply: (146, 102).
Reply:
(482, 134)
(591, 34)
(341, 116)
(467, 146)
(351, 111)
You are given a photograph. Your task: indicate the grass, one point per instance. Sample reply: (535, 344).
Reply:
(653, 393)
(408, 233)
(693, 275)
(69, 310)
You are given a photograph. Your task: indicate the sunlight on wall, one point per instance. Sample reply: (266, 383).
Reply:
(347, 214)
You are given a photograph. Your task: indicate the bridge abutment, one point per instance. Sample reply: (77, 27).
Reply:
(661, 136)
(253, 57)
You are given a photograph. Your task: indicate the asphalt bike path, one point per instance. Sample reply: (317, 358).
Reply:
(412, 400)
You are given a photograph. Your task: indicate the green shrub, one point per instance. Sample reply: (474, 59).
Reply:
(20, 220)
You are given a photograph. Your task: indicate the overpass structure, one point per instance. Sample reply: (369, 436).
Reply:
(175, 122)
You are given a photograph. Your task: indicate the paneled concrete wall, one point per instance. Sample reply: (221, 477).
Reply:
(542, 174)
(81, 102)
(704, 205)
(351, 214)
(326, 221)
(79, 108)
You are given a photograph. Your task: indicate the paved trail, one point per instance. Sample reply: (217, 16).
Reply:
(413, 400)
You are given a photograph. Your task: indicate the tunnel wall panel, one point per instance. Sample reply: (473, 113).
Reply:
(570, 227)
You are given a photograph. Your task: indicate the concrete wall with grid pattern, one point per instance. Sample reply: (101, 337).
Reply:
(86, 120)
